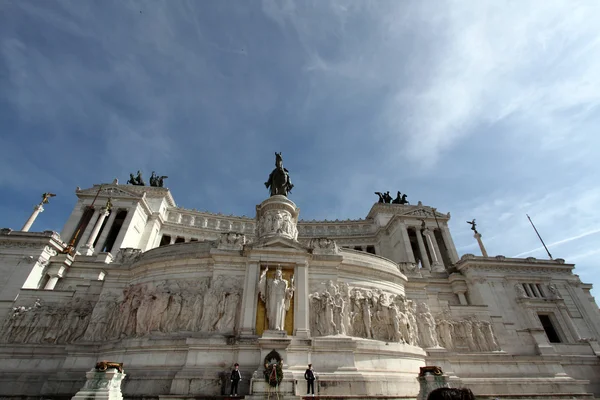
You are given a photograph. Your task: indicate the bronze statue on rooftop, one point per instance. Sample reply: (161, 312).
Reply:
(473, 225)
(279, 182)
(136, 180)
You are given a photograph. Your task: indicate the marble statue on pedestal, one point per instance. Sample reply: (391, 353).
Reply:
(276, 293)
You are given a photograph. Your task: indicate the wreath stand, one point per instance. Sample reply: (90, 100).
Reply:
(273, 378)
(276, 391)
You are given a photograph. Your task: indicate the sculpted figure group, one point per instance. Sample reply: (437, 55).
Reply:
(47, 323)
(277, 221)
(375, 314)
(172, 306)
(372, 314)
(387, 198)
(468, 333)
(155, 180)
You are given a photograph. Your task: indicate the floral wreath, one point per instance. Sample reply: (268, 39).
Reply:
(273, 372)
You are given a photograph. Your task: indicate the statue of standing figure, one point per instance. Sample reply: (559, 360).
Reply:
(279, 182)
(473, 226)
(276, 293)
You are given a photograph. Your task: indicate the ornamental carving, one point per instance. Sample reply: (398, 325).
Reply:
(521, 293)
(232, 241)
(128, 256)
(47, 323)
(202, 305)
(367, 313)
(466, 333)
(277, 222)
(323, 246)
(553, 292)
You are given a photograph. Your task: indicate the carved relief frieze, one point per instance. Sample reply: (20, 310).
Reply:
(201, 305)
(47, 323)
(465, 333)
(277, 221)
(368, 313)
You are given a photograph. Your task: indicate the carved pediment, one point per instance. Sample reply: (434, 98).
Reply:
(278, 242)
(424, 213)
(108, 191)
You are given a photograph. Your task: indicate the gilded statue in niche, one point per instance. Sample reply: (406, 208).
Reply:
(276, 293)
(275, 307)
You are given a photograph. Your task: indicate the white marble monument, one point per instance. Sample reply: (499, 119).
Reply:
(180, 295)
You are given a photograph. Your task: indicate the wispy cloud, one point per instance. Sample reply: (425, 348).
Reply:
(558, 243)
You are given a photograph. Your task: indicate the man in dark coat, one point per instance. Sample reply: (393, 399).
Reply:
(236, 377)
(309, 375)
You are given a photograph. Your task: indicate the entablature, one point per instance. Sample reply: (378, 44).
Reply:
(471, 263)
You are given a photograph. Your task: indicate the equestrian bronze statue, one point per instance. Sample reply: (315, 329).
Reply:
(279, 182)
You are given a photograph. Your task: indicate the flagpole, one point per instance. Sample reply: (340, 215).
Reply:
(539, 236)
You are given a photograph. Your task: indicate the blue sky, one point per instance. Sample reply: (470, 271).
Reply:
(488, 110)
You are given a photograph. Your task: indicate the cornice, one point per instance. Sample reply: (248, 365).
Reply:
(116, 191)
(418, 210)
(10, 238)
(470, 262)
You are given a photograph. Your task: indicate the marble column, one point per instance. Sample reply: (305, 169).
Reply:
(301, 309)
(406, 242)
(89, 246)
(436, 246)
(436, 263)
(121, 237)
(449, 244)
(106, 231)
(88, 229)
(462, 299)
(55, 274)
(51, 282)
(36, 211)
(422, 250)
(481, 246)
(249, 300)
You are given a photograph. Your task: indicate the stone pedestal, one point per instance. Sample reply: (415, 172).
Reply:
(277, 216)
(101, 385)
(273, 344)
(428, 383)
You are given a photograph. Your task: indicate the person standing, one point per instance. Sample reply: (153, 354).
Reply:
(236, 377)
(309, 375)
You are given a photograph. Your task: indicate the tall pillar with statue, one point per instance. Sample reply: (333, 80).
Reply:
(275, 290)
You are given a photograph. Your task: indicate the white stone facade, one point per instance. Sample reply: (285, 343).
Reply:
(174, 295)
